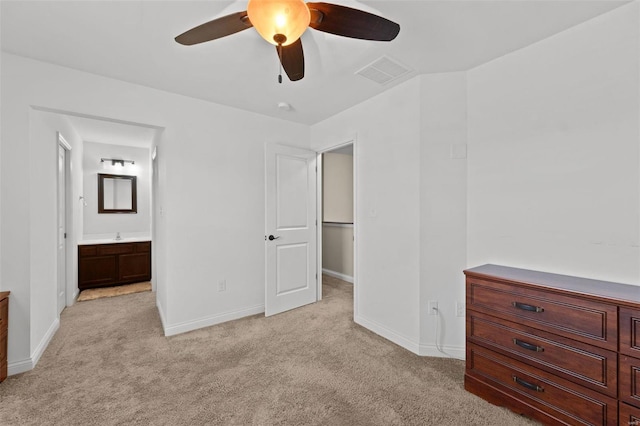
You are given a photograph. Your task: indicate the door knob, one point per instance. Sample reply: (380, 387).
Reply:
(271, 238)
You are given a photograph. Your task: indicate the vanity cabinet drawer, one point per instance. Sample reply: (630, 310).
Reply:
(84, 251)
(629, 380)
(580, 319)
(630, 332)
(551, 396)
(587, 365)
(143, 247)
(122, 248)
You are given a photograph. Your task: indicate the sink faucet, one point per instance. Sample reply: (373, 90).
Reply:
(118, 237)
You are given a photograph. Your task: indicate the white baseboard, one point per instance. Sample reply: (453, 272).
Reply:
(338, 275)
(162, 316)
(18, 367)
(35, 356)
(24, 365)
(388, 334)
(410, 345)
(446, 352)
(171, 330)
(74, 297)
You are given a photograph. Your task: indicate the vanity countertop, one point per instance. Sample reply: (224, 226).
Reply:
(114, 241)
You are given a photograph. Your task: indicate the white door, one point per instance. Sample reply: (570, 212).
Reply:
(290, 237)
(62, 232)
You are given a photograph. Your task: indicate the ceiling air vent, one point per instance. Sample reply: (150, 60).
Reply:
(383, 70)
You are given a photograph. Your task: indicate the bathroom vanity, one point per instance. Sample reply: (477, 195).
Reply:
(113, 263)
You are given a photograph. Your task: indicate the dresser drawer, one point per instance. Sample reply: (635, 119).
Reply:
(628, 416)
(557, 398)
(580, 319)
(584, 364)
(630, 332)
(629, 380)
(4, 313)
(3, 344)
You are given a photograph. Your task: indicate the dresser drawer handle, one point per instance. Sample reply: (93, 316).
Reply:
(528, 346)
(526, 307)
(527, 384)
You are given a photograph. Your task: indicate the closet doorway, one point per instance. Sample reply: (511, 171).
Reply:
(338, 214)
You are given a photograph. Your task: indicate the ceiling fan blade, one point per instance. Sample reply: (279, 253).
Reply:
(221, 27)
(347, 22)
(292, 60)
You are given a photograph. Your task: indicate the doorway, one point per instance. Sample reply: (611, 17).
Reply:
(64, 173)
(337, 213)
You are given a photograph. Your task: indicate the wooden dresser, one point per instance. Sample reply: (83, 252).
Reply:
(101, 265)
(559, 349)
(4, 332)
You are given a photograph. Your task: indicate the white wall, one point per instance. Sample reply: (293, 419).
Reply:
(443, 212)
(158, 228)
(411, 209)
(337, 185)
(211, 190)
(337, 250)
(554, 151)
(33, 302)
(387, 155)
(97, 225)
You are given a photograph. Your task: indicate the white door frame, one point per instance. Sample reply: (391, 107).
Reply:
(68, 252)
(350, 141)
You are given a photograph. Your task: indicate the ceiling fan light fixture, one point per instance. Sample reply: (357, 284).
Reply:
(278, 20)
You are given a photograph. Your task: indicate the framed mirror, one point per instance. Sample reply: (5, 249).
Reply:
(117, 194)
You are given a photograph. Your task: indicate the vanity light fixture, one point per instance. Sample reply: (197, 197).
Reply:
(116, 161)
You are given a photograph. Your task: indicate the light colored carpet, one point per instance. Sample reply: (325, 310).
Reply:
(109, 364)
(120, 290)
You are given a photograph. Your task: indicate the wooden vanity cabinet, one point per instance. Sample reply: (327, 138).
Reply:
(101, 265)
(560, 349)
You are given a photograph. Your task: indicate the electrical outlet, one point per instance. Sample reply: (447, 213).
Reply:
(433, 307)
(222, 285)
(460, 309)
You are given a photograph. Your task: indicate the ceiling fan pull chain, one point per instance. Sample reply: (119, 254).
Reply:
(280, 62)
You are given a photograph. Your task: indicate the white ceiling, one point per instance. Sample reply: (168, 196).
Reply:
(133, 41)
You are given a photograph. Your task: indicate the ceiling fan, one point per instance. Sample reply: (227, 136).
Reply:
(282, 22)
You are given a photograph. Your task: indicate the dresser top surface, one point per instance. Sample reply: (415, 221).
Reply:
(584, 286)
